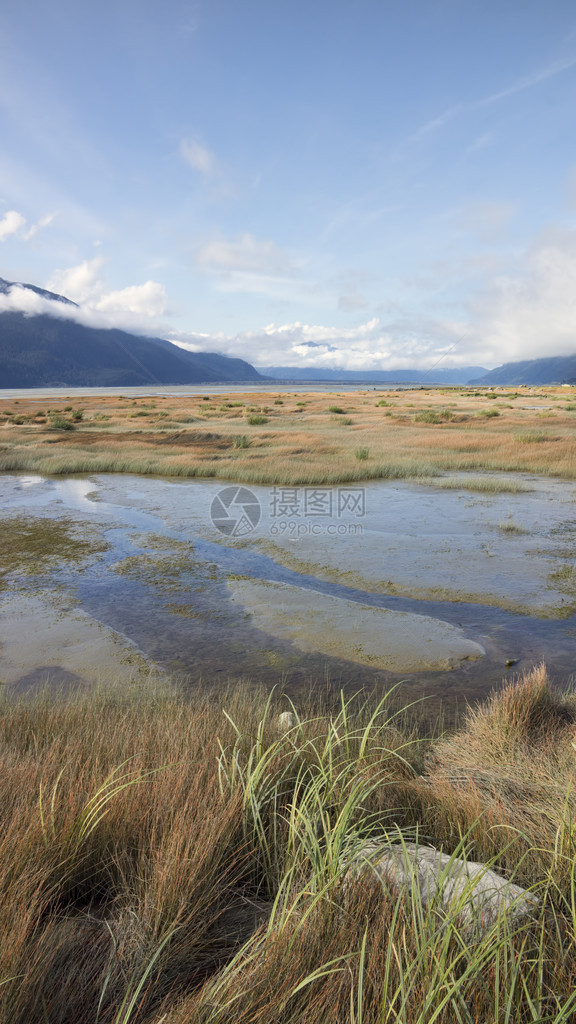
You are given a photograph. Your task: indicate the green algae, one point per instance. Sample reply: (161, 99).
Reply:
(31, 545)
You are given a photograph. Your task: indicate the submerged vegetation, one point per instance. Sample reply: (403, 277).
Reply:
(30, 545)
(179, 860)
(409, 434)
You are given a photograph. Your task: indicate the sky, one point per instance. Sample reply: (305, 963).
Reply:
(357, 184)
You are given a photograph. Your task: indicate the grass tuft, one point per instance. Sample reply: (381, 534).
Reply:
(532, 437)
(241, 441)
(58, 422)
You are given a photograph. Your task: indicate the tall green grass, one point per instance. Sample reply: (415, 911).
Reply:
(179, 859)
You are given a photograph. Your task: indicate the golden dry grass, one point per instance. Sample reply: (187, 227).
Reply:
(415, 433)
(145, 837)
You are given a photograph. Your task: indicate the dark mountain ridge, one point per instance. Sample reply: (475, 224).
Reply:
(454, 375)
(550, 370)
(41, 350)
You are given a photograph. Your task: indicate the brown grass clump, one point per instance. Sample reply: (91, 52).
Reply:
(507, 779)
(116, 838)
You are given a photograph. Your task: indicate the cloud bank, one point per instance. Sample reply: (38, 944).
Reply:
(138, 308)
(533, 314)
(525, 315)
(373, 345)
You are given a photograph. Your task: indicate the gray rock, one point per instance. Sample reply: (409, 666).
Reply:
(286, 721)
(469, 892)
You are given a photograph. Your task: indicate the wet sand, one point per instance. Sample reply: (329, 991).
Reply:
(513, 551)
(50, 643)
(377, 637)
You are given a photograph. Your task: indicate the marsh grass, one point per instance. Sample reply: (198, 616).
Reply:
(179, 859)
(418, 430)
(532, 437)
(434, 416)
(488, 484)
(509, 527)
(241, 441)
(58, 422)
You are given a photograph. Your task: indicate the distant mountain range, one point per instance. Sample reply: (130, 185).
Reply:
(552, 370)
(43, 350)
(458, 375)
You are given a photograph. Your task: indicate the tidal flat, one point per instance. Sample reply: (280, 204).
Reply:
(482, 558)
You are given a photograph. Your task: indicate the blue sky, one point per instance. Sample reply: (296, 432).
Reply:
(360, 184)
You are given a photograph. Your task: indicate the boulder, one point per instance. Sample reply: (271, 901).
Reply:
(468, 892)
(286, 721)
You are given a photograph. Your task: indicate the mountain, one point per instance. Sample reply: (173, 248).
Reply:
(552, 370)
(43, 350)
(458, 375)
(5, 287)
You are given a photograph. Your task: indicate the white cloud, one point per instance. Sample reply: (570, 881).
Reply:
(369, 346)
(128, 307)
(532, 313)
(246, 264)
(11, 223)
(21, 300)
(81, 283)
(482, 142)
(529, 81)
(145, 300)
(44, 222)
(523, 314)
(244, 254)
(138, 308)
(432, 126)
(199, 157)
